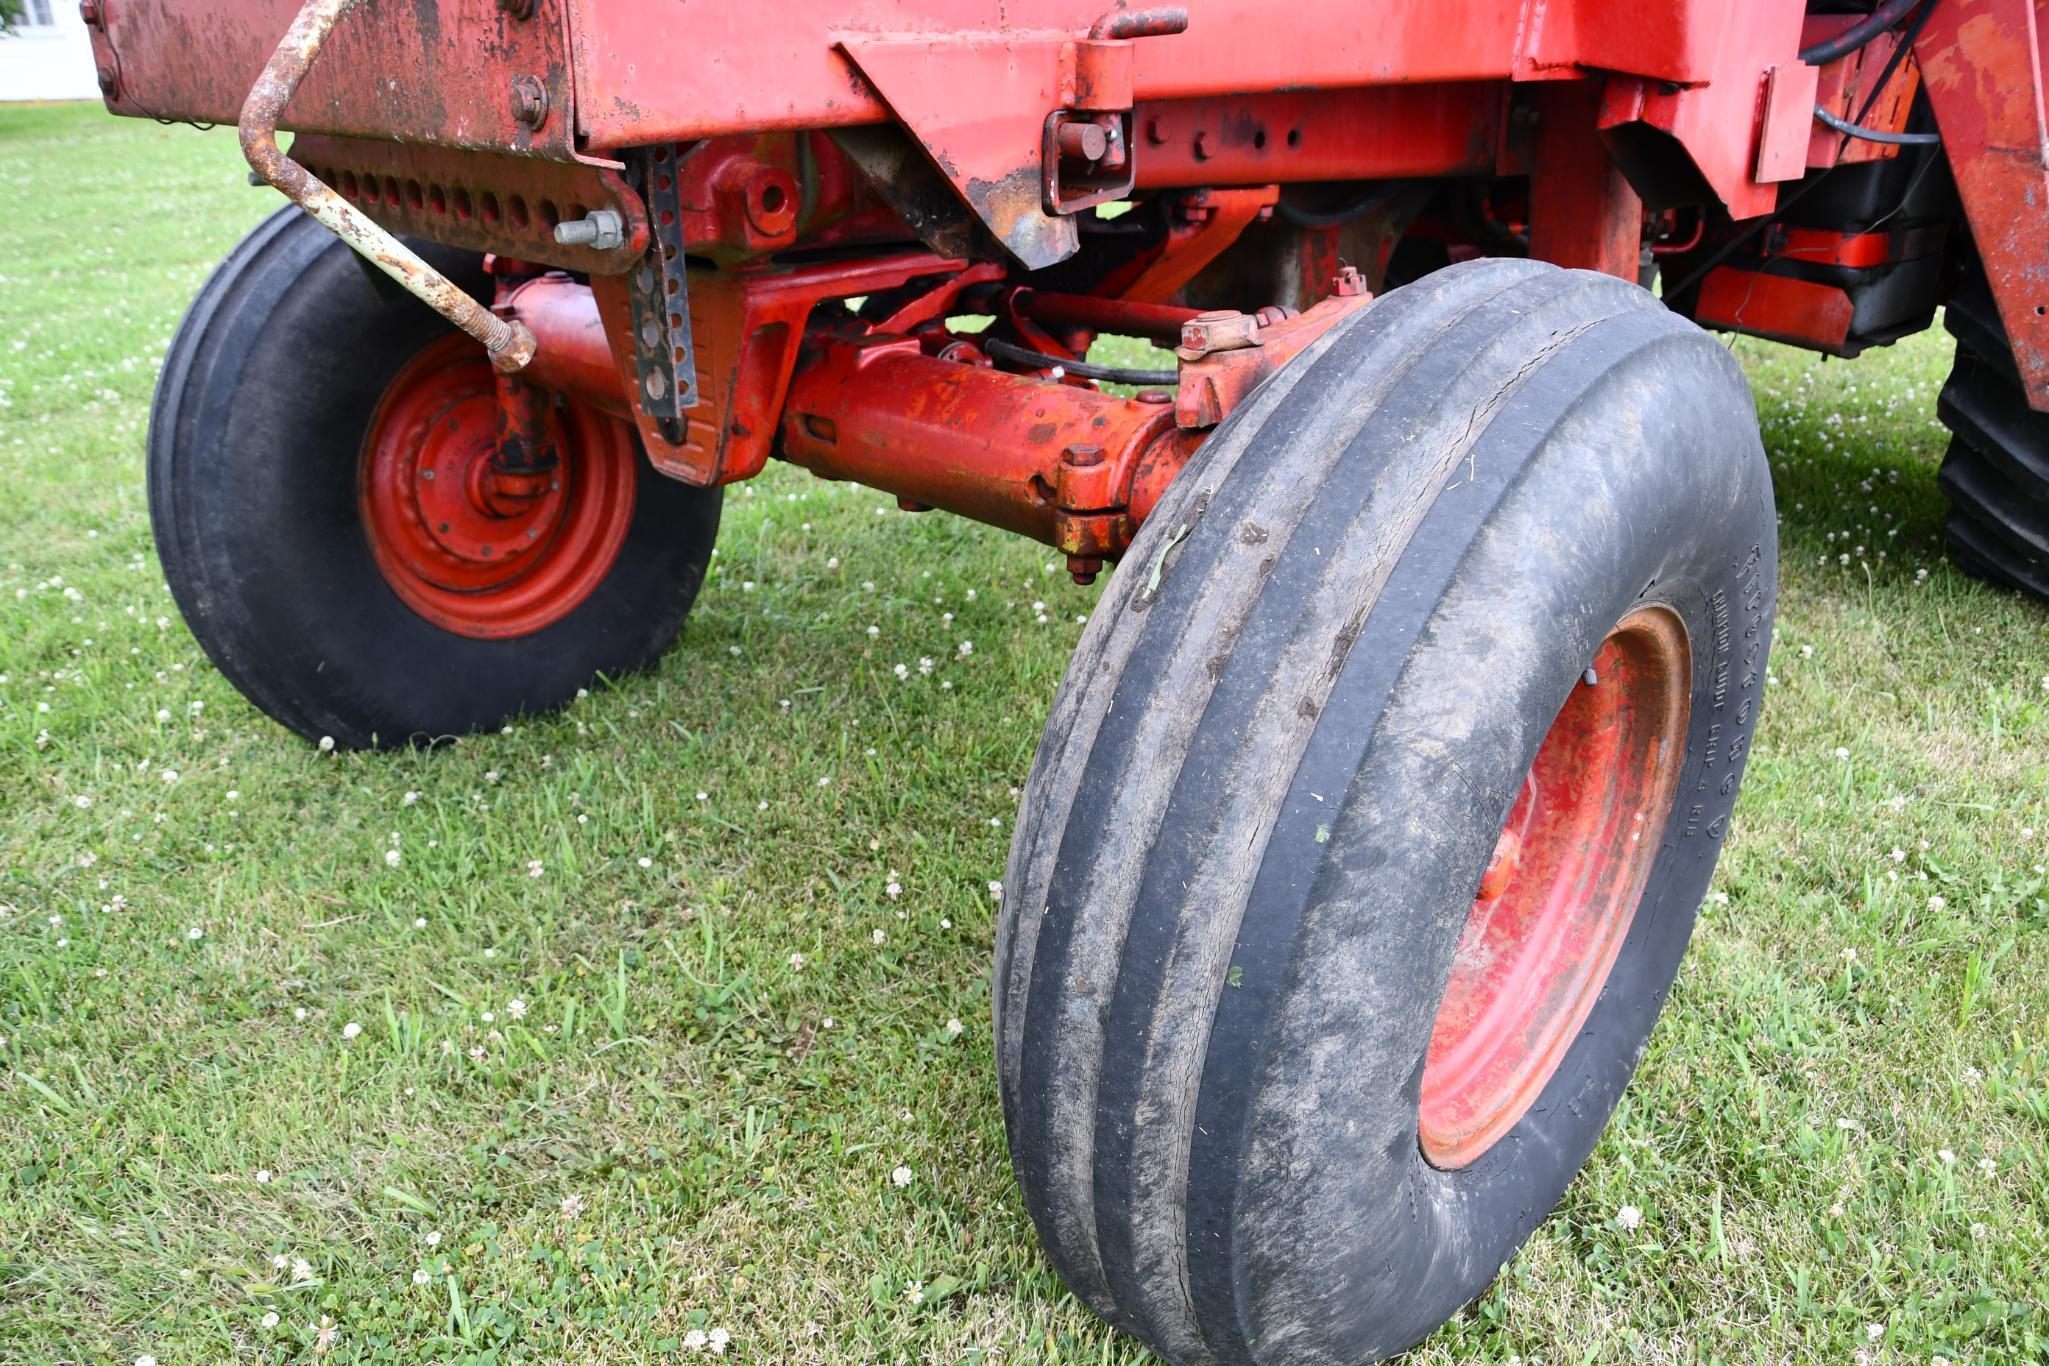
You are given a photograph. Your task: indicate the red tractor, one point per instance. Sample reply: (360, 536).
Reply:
(1372, 819)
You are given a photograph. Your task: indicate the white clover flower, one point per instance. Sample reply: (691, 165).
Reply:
(900, 1177)
(954, 1027)
(572, 1205)
(880, 938)
(326, 743)
(270, 1319)
(263, 1176)
(195, 933)
(422, 1276)
(515, 1009)
(1629, 1218)
(351, 1030)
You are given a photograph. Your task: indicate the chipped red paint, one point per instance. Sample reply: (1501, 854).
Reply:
(1560, 890)
(1982, 62)
(470, 546)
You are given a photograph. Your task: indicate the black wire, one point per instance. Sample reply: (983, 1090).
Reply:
(1888, 13)
(1858, 130)
(1892, 65)
(1081, 369)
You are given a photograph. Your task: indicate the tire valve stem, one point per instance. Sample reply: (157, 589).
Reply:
(1590, 678)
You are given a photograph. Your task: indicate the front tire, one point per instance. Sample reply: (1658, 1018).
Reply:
(300, 425)
(1257, 1045)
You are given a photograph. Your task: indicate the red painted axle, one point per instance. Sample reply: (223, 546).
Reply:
(1063, 464)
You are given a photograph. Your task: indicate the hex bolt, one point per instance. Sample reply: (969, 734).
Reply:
(1084, 140)
(601, 229)
(1082, 456)
(529, 101)
(1084, 568)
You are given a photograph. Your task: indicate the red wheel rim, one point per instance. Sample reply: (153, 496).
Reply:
(471, 554)
(1558, 896)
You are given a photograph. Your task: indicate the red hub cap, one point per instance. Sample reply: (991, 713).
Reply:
(1560, 891)
(475, 550)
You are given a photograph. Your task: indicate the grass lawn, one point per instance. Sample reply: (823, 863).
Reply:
(667, 1016)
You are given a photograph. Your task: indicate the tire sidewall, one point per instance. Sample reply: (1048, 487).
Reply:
(264, 468)
(1351, 1245)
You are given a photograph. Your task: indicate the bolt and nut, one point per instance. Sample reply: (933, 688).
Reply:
(602, 229)
(529, 101)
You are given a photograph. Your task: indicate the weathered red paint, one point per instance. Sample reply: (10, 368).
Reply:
(1205, 224)
(484, 201)
(466, 544)
(1560, 890)
(1582, 212)
(975, 441)
(1982, 62)
(748, 325)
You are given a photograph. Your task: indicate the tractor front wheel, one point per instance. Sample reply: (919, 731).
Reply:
(335, 530)
(1372, 819)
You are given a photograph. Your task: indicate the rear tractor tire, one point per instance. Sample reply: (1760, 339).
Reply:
(317, 458)
(1372, 819)
(1996, 471)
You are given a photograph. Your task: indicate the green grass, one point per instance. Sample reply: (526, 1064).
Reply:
(249, 1068)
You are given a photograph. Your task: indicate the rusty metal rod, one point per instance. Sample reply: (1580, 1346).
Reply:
(508, 342)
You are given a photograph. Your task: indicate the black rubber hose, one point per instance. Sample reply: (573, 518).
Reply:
(1858, 130)
(1081, 369)
(1888, 13)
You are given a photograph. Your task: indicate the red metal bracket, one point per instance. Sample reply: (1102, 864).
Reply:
(748, 324)
(1981, 61)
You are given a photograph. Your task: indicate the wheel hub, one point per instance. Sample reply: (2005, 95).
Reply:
(474, 548)
(1560, 890)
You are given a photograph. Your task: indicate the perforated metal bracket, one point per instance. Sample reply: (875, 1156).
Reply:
(660, 290)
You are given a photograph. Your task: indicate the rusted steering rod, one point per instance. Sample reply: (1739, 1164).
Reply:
(508, 341)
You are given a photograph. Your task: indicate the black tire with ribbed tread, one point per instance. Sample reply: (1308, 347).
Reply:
(1275, 772)
(255, 440)
(1996, 471)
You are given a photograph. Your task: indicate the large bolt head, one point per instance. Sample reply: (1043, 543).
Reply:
(529, 101)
